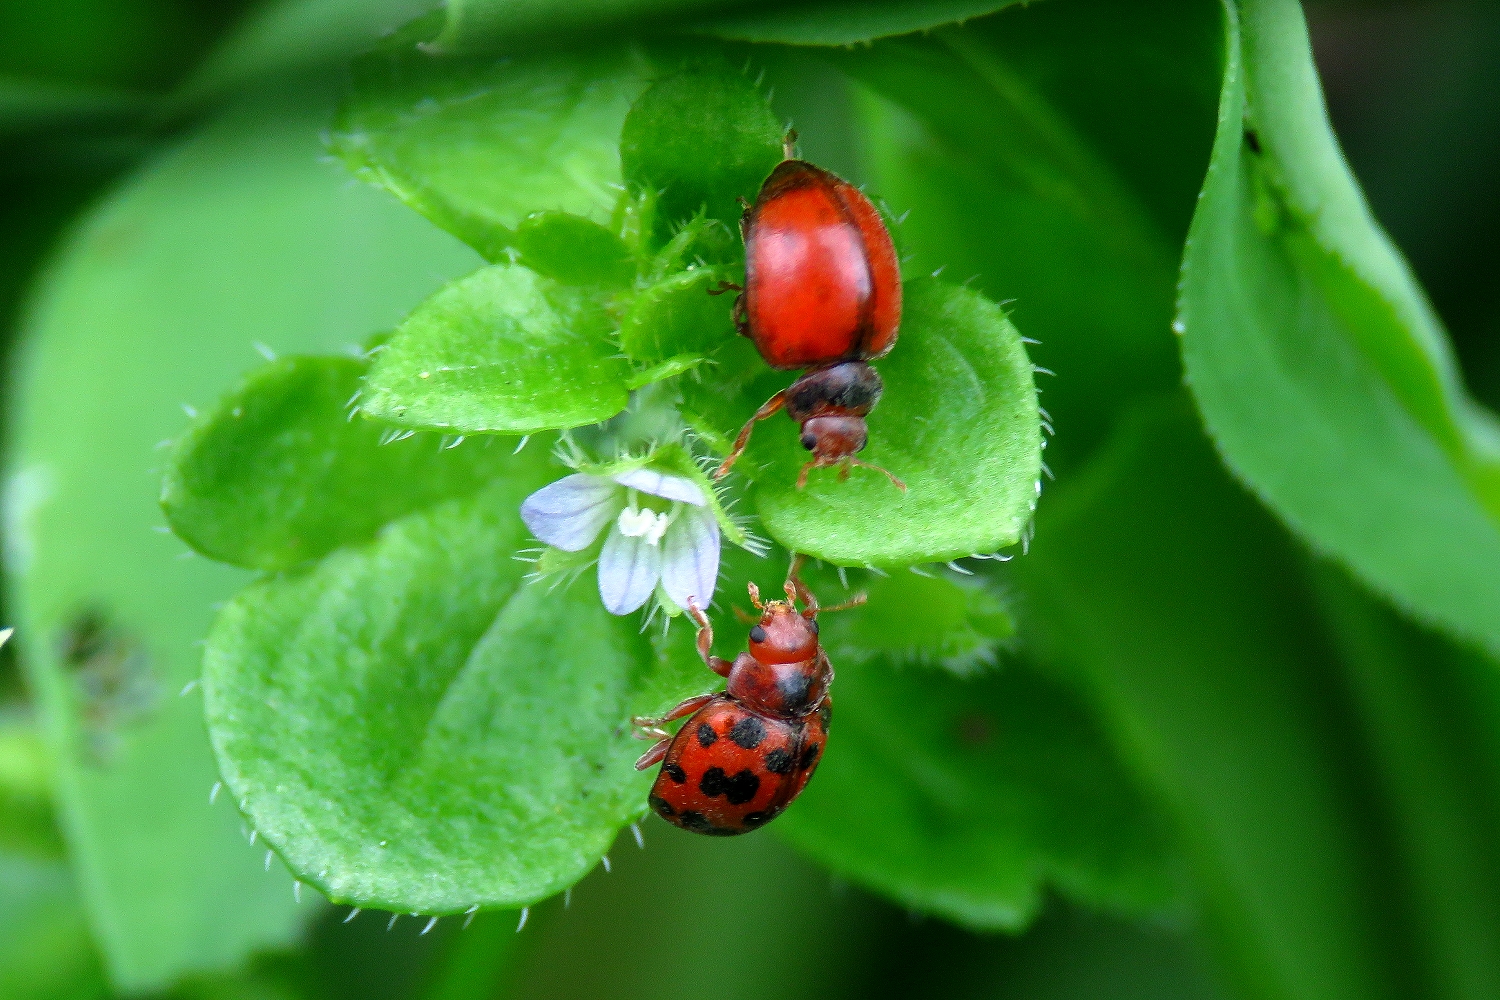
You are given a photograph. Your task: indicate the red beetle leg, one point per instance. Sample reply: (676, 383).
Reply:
(655, 755)
(771, 408)
(685, 707)
(885, 472)
(717, 664)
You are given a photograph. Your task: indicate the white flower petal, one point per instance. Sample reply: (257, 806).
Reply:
(628, 571)
(662, 484)
(570, 513)
(690, 558)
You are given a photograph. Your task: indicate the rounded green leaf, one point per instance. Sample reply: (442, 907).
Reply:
(1322, 374)
(574, 250)
(677, 315)
(478, 144)
(702, 139)
(958, 424)
(966, 798)
(412, 727)
(235, 234)
(277, 473)
(502, 350)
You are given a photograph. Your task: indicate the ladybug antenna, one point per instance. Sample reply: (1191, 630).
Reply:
(885, 472)
(755, 596)
(852, 602)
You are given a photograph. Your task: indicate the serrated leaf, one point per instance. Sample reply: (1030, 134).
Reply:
(412, 728)
(677, 315)
(478, 144)
(965, 798)
(958, 424)
(279, 472)
(500, 351)
(1322, 374)
(133, 320)
(574, 250)
(702, 139)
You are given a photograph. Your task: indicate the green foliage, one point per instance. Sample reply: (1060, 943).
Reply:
(134, 320)
(964, 798)
(703, 140)
(479, 144)
(471, 734)
(1323, 376)
(958, 424)
(1163, 707)
(466, 360)
(279, 472)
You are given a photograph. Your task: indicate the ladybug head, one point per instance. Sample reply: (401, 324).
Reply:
(783, 635)
(834, 437)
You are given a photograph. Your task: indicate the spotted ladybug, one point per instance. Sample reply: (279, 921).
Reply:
(745, 753)
(822, 292)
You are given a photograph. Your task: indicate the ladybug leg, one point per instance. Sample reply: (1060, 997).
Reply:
(724, 287)
(771, 408)
(652, 726)
(655, 755)
(802, 476)
(866, 465)
(717, 664)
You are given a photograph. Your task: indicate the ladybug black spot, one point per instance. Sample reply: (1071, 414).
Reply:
(662, 806)
(809, 757)
(778, 761)
(748, 732)
(706, 734)
(757, 634)
(793, 685)
(675, 772)
(738, 790)
(698, 823)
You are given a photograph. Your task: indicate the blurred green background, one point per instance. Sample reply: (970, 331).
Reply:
(94, 92)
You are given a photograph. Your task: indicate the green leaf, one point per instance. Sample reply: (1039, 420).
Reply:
(845, 22)
(1051, 153)
(677, 315)
(45, 949)
(958, 424)
(918, 619)
(278, 472)
(574, 250)
(1176, 599)
(1431, 712)
(412, 728)
(1322, 374)
(965, 798)
(478, 144)
(500, 351)
(702, 139)
(27, 826)
(133, 320)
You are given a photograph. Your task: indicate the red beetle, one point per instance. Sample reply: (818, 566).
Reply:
(745, 753)
(823, 292)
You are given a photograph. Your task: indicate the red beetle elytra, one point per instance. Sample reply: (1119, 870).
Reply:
(747, 752)
(823, 292)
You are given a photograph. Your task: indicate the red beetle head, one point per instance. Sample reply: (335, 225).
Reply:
(833, 438)
(783, 635)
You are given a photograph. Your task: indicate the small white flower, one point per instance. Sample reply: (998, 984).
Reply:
(660, 531)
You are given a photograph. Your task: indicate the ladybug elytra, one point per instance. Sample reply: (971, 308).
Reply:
(822, 292)
(745, 753)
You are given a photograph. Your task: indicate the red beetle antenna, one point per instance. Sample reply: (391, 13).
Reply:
(755, 596)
